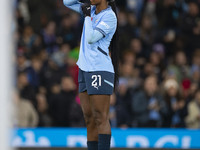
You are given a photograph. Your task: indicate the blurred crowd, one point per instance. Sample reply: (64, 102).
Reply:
(159, 43)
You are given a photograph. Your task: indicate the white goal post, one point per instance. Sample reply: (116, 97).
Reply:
(6, 70)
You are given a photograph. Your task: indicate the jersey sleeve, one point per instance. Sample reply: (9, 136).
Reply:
(107, 24)
(92, 35)
(73, 4)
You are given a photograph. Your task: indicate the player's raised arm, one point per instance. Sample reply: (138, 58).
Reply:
(105, 26)
(92, 35)
(73, 4)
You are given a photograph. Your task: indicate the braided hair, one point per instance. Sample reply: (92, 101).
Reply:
(114, 49)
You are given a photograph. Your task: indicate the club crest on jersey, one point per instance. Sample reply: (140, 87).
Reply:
(96, 20)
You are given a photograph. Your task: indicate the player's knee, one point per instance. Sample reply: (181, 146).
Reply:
(100, 117)
(88, 119)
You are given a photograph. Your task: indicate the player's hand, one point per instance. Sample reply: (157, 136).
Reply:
(86, 9)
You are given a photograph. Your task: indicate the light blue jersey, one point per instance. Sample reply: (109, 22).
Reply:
(94, 56)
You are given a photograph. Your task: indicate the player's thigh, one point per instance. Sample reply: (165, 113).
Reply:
(100, 106)
(85, 105)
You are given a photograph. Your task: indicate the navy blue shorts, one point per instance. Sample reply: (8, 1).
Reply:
(96, 83)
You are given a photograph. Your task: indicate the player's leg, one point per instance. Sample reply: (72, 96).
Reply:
(92, 134)
(99, 88)
(100, 109)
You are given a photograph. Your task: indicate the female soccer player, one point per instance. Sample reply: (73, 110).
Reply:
(97, 71)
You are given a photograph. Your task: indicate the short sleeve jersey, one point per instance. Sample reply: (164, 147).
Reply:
(95, 57)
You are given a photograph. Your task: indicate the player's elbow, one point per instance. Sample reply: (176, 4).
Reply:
(67, 2)
(90, 40)
(93, 37)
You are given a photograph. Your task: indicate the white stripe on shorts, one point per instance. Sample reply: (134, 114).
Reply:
(108, 82)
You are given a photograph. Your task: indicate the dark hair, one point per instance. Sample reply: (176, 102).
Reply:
(114, 49)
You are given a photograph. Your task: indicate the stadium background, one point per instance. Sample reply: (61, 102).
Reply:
(159, 65)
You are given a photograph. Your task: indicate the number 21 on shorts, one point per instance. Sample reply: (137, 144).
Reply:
(96, 83)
